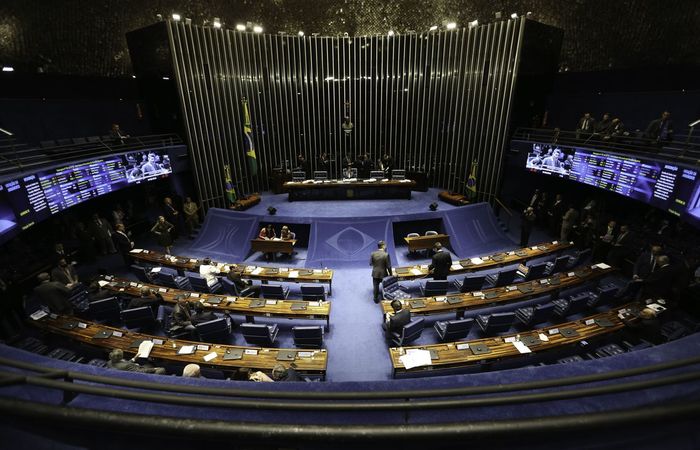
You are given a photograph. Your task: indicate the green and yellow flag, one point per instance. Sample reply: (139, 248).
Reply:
(248, 141)
(471, 181)
(230, 190)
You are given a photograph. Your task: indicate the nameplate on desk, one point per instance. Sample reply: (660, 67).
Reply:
(39, 314)
(316, 303)
(441, 299)
(463, 346)
(305, 354)
(132, 284)
(194, 295)
(589, 322)
(117, 334)
(570, 274)
(251, 352)
(477, 294)
(231, 299)
(553, 331)
(202, 347)
(270, 302)
(162, 290)
(82, 325)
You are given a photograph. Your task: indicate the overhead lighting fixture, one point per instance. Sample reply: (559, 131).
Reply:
(451, 25)
(528, 14)
(166, 78)
(8, 69)
(133, 76)
(391, 32)
(300, 33)
(474, 23)
(514, 16)
(433, 28)
(4, 131)
(329, 79)
(217, 22)
(176, 17)
(499, 15)
(257, 29)
(240, 27)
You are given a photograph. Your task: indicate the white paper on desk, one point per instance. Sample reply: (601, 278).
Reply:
(404, 181)
(305, 354)
(210, 356)
(231, 299)
(186, 350)
(284, 270)
(314, 303)
(39, 314)
(251, 352)
(193, 260)
(522, 348)
(424, 266)
(415, 271)
(571, 274)
(293, 274)
(276, 239)
(456, 267)
(103, 283)
(478, 294)
(555, 242)
(543, 337)
(477, 260)
(155, 270)
(136, 250)
(145, 348)
(270, 302)
(415, 358)
(318, 270)
(257, 271)
(602, 266)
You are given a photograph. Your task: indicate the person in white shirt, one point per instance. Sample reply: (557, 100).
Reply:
(209, 272)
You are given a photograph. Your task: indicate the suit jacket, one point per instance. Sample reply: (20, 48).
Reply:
(590, 126)
(54, 295)
(441, 263)
(643, 265)
(122, 242)
(660, 282)
(100, 229)
(60, 275)
(570, 219)
(181, 314)
(381, 264)
(398, 320)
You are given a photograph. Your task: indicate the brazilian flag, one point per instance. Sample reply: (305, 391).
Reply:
(248, 141)
(230, 190)
(471, 181)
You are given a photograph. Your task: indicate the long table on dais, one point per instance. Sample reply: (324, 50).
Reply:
(486, 262)
(246, 306)
(453, 355)
(426, 242)
(348, 189)
(273, 245)
(216, 356)
(460, 303)
(262, 273)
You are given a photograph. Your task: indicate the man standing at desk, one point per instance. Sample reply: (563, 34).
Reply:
(442, 261)
(381, 267)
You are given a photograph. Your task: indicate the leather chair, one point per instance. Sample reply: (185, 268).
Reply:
(392, 290)
(496, 322)
(274, 291)
(199, 283)
(532, 315)
(308, 336)
(259, 334)
(409, 333)
(470, 283)
(434, 288)
(453, 330)
(141, 317)
(313, 292)
(215, 330)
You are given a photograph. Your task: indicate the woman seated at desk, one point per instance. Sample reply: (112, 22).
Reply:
(286, 234)
(267, 233)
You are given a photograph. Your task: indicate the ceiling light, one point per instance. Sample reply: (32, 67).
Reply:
(240, 27)
(474, 23)
(176, 17)
(300, 33)
(166, 78)
(391, 32)
(451, 25)
(514, 16)
(257, 29)
(217, 22)
(433, 28)
(8, 69)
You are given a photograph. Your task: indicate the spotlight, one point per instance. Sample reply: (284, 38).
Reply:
(300, 33)
(514, 16)
(390, 33)
(159, 17)
(433, 206)
(474, 23)
(528, 14)
(257, 29)
(433, 28)
(217, 22)
(272, 210)
(240, 27)
(451, 25)
(166, 78)
(176, 17)
(8, 69)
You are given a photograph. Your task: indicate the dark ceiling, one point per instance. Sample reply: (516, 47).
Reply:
(86, 37)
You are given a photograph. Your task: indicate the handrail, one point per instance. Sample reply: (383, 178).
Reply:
(500, 203)
(360, 395)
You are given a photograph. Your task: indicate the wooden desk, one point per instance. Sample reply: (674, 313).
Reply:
(508, 294)
(486, 262)
(228, 304)
(426, 242)
(273, 245)
(344, 189)
(453, 198)
(265, 274)
(313, 362)
(455, 354)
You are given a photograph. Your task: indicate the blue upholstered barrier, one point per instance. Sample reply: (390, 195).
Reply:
(473, 230)
(338, 242)
(225, 235)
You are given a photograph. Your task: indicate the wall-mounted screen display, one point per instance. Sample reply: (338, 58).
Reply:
(32, 198)
(672, 187)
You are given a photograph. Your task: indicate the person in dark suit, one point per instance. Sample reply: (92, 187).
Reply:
(645, 325)
(117, 361)
(585, 126)
(659, 283)
(147, 298)
(172, 215)
(381, 267)
(395, 323)
(555, 213)
(101, 231)
(621, 247)
(646, 262)
(65, 274)
(123, 243)
(53, 295)
(661, 129)
(442, 260)
(182, 315)
(526, 225)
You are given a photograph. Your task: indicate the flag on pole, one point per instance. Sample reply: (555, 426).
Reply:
(471, 181)
(248, 141)
(230, 190)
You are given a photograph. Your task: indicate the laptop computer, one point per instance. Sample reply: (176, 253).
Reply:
(465, 262)
(303, 273)
(286, 355)
(521, 252)
(136, 343)
(233, 353)
(214, 300)
(498, 257)
(525, 289)
(272, 271)
(491, 294)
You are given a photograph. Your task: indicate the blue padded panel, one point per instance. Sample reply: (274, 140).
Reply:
(473, 230)
(226, 235)
(341, 242)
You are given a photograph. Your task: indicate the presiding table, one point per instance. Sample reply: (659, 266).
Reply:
(275, 245)
(350, 188)
(426, 242)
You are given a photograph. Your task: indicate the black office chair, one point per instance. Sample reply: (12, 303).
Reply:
(453, 330)
(308, 336)
(470, 283)
(495, 323)
(313, 292)
(274, 291)
(105, 310)
(141, 317)
(434, 288)
(409, 333)
(532, 315)
(215, 330)
(259, 334)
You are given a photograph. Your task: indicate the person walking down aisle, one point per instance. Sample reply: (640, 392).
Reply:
(381, 267)
(162, 230)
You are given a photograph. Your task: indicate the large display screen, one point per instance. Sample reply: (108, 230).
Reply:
(672, 187)
(30, 199)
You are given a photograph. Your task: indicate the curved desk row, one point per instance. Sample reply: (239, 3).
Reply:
(264, 274)
(469, 353)
(227, 358)
(500, 295)
(246, 306)
(491, 261)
